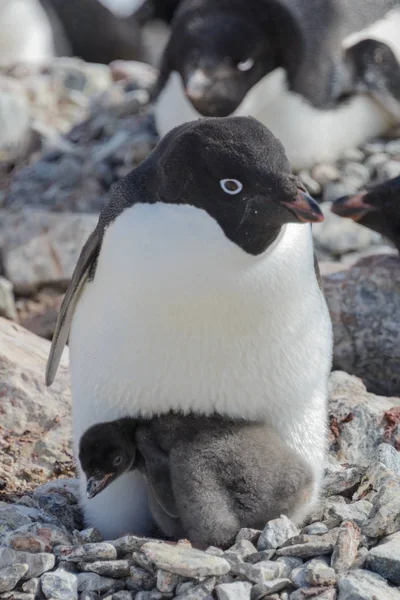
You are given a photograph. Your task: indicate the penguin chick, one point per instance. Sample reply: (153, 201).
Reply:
(378, 209)
(208, 476)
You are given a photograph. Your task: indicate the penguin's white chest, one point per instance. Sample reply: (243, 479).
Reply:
(178, 317)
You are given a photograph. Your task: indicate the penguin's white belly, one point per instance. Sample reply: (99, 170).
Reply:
(25, 32)
(178, 317)
(309, 135)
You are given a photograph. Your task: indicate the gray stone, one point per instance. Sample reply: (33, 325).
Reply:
(143, 562)
(198, 592)
(318, 573)
(52, 241)
(241, 549)
(317, 528)
(385, 558)
(87, 552)
(307, 550)
(32, 586)
(362, 301)
(238, 590)
(258, 573)
(185, 561)
(314, 593)
(389, 456)
(287, 564)
(384, 517)
(59, 585)
(260, 556)
(339, 479)
(365, 585)
(128, 544)
(10, 576)
(251, 535)
(140, 579)
(37, 563)
(37, 537)
(262, 590)
(108, 568)
(86, 536)
(357, 511)
(345, 551)
(91, 582)
(167, 582)
(276, 533)
(122, 595)
(7, 302)
(357, 419)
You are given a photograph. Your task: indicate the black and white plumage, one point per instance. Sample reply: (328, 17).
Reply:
(377, 208)
(283, 62)
(197, 292)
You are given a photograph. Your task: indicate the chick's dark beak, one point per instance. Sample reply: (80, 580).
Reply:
(305, 208)
(95, 485)
(352, 207)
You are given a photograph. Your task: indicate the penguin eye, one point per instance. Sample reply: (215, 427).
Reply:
(231, 186)
(246, 65)
(117, 461)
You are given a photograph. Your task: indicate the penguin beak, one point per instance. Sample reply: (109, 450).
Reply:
(95, 485)
(305, 208)
(352, 207)
(197, 84)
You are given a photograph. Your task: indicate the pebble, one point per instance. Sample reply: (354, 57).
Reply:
(239, 590)
(385, 515)
(242, 549)
(346, 548)
(258, 573)
(184, 561)
(87, 552)
(198, 592)
(86, 536)
(60, 585)
(307, 550)
(276, 533)
(357, 511)
(166, 582)
(338, 479)
(384, 559)
(269, 587)
(315, 529)
(10, 576)
(32, 586)
(91, 582)
(316, 593)
(109, 568)
(37, 563)
(252, 535)
(260, 556)
(318, 573)
(140, 579)
(365, 585)
(389, 456)
(128, 544)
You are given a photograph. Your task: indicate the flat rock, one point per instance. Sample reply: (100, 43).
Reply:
(276, 533)
(37, 563)
(52, 241)
(314, 593)
(87, 552)
(346, 548)
(363, 301)
(91, 582)
(385, 558)
(10, 576)
(36, 420)
(358, 420)
(318, 573)
(365, 585)
(269, 587)
(108, 568)
(60, 585)
(261, 572)
(384, 518)
(238, 590)
(185, 561)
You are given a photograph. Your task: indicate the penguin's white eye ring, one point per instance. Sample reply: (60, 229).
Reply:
(117, 461)
(246, 65)
(231, 186)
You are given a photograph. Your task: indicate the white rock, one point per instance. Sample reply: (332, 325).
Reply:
(365, 585)
(276, 533)
(238, 590)
(60, 585)
(10, 576)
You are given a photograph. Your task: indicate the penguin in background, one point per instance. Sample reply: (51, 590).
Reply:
(286, 63)
(198, 292)
(377, 208)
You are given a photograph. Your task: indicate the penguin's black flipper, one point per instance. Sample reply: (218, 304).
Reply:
(86, 259)
(377, 72)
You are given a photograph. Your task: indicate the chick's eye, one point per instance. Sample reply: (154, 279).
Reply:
(246, 65)
(231, 186)
(117, 461)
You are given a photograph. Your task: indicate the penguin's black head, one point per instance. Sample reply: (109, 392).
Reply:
(378, 209)
(233, 168)
(106, 451)
(220, 54)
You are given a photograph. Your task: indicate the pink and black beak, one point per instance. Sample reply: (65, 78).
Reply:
(305, 208)
(353, 207)
(98, 483)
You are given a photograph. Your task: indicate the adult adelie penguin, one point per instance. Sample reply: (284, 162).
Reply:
(197, 292)
(284, 62)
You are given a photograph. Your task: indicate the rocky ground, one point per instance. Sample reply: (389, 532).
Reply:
(68, 132)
